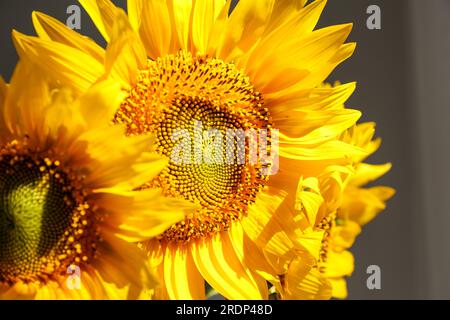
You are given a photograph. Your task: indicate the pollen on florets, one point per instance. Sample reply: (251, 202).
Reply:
(45, 220)
(176, 93)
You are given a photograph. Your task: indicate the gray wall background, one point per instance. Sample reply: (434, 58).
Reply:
(404, 85)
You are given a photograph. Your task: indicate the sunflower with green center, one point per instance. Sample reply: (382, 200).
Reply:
(68, 214)
(181, 63)
(337, 203)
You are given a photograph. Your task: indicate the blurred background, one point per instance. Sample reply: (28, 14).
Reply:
(403, 80)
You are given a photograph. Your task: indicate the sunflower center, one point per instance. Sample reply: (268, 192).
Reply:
(42, 217)
(327, 224)
(211, 123)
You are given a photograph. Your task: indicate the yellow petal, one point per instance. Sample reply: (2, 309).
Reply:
(102, 13)
(312, 241)
(3, 93)
(288, 21)
(308, 198)
(339, 264)
(134, 9)
(252, 256)
(203, 17)
(122, 264)
(245, 25)
(140, 215)
(362, 205)
(298, 61)
(216, 34)
(68, 65)
(306, 283)
(156, 29)
(252, 259)
(339, 286)
(300, 150)
(182, 279)
(180, 11)
(366, 173)
(49, 28)
(99, 104)
(23, 110)
(268, 228)
(344, 235)
(218, 263)
(125, 54)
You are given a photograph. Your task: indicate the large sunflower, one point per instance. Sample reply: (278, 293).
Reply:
(68, 216)
(190, 66)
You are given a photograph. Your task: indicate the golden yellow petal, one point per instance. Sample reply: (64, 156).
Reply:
(339, 264)
(180, 12)
(298, 149)
(140, 215)
(298, 61)
(251, 256)
(102, 13)
(312, 241)
(60, 61)
(243, 28)
(124, 265)
(156, 28)
(49, 28)
(219, 265)
(309, 198)
(287, 23)
(339, 286)
(23, 111)
(344, 235)
(125, 54)
(305, 283)
(3, 93)
(134, 9)
(362, 205)
(216, 34)
(182, 279)
(315, 101)
(204, 15)
(269, 228)
(366, 173)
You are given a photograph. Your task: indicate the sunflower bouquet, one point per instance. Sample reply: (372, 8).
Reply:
(101, 171)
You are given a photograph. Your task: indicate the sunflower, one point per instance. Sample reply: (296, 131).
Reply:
(185, 67)
(68, 216)
(337, 203)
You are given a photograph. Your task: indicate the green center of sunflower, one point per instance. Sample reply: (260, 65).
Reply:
(209, 120)
(42, 217)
